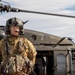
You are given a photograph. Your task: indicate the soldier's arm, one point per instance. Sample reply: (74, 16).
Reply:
(1, 50)
(31, 52)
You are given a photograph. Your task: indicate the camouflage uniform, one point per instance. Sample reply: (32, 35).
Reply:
(18, 54)
(26, 49)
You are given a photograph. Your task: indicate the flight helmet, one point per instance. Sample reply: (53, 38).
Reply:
(16, 22)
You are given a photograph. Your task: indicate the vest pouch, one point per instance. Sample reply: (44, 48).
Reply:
(14, 64)
(9, 66)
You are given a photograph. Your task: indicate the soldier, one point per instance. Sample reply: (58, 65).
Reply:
(18, 53)
(2, 35)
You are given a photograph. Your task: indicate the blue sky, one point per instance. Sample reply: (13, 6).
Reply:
(71, 8)
(59, 26)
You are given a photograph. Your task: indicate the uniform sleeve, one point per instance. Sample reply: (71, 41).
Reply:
(1, 46)
(1, 51)
(31, 52)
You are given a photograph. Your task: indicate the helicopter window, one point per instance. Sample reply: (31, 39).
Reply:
(61, 64)
(33, 37)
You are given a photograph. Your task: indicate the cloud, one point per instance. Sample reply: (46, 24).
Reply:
(59, 26)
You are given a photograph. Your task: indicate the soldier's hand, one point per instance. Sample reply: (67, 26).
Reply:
(28, 70)
(29, 66)
(28, 62)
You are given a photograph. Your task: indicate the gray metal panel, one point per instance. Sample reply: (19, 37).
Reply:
(60, 65)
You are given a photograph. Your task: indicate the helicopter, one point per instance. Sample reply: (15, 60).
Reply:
(55, 55)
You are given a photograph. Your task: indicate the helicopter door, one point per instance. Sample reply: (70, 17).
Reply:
(50, 65)
(39, 67)
(73, 62)
(60, 65)
(44, 63)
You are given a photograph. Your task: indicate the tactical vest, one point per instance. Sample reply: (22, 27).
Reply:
(14, 61)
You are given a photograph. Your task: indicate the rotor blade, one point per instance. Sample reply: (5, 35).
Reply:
(10, 9)
(44, 13)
